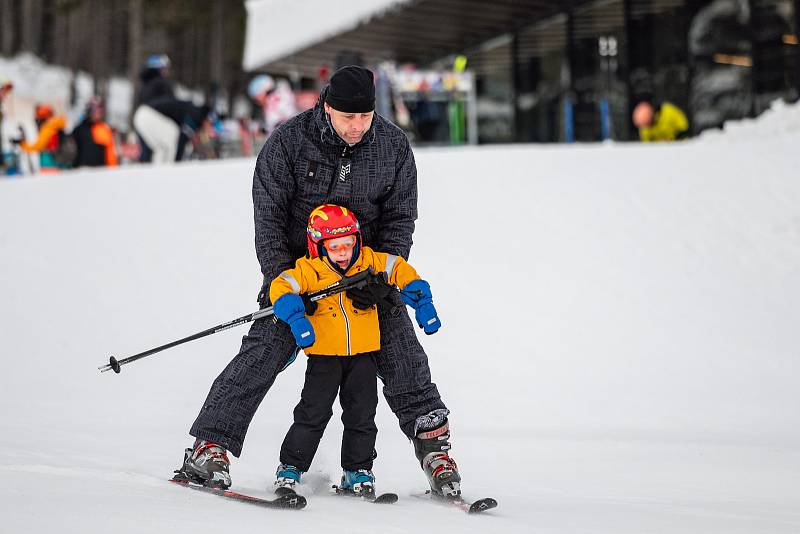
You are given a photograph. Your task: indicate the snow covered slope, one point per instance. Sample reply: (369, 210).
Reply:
(619, 347)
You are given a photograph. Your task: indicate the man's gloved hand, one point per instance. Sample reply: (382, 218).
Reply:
(417, 294)
(311, 305)
(290, 309)
(263, 301)
(372, 293)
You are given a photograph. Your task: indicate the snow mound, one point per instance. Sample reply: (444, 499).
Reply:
(780, 119)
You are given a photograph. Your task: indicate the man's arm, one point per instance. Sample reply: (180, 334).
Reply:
(273, 189)
(399, 207)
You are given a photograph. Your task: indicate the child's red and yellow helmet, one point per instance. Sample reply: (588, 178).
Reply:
(329, 221)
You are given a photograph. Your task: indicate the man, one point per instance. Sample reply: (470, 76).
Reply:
(155, 79)
(668, 123)
(155, 84)
(276, 99)
(167, 124)
(339, 152)
(5, 88)
(94, 138)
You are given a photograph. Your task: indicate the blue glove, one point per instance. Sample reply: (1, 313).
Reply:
(290, 309)
(417, 294)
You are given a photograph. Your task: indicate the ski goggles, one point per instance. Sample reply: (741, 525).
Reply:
(342, 244)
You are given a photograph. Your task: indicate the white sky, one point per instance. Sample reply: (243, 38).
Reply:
(277, 28)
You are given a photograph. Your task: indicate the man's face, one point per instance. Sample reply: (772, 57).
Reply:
(643, 115)
(97, 113)
(351, 127)
(340, 249)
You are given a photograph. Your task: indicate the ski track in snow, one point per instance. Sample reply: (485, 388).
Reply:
(618, 347)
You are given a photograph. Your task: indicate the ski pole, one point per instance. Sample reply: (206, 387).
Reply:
(355, 281)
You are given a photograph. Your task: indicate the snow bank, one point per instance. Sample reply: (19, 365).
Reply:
(36, 81)
(780, 119)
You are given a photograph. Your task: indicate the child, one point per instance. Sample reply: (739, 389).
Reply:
(339, 341)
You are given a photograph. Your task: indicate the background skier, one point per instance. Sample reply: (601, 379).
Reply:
(55, 149)
(155, 84)
(94, 138)
(5, 88)
(166, 124)
(667, 123)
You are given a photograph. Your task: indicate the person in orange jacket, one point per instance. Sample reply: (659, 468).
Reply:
(50, 143)
(94, 138)
(339, 340)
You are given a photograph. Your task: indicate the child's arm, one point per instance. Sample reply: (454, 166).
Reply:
(284, 292)
(289, 281)
(399, 272)
(415, 291)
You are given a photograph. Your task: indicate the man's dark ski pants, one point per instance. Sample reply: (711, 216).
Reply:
(353, 378)
(268, 347)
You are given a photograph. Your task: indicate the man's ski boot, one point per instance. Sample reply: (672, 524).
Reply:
(286, 478)
(207, 464)
(431, 448)
(361, 483)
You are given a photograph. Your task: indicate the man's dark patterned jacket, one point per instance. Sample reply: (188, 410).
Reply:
(304, 164)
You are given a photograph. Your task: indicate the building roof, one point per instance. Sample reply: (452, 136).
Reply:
(277, 29)
(311, 34)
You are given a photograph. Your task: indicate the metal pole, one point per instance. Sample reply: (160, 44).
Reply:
(359, 280)
(755, 107)
(515, 89)
(796, 48)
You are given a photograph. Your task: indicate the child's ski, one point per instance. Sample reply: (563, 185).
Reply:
(383, 498)
(288, 502)
(474, 507)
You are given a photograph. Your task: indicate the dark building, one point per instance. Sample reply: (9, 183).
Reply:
(573, 70)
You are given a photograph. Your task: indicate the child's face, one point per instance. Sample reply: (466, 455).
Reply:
(340, 249)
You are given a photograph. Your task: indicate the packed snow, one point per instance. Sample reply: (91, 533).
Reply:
(619, 344)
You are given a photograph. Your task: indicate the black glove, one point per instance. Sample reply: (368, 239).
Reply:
(372, 293)
(263, 301)
(311, 305)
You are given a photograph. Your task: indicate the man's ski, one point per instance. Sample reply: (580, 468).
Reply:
(475, 507)
(383, 498)
(288, 502)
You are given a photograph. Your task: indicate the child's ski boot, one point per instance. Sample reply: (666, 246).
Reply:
(361, 483)
(286, 478)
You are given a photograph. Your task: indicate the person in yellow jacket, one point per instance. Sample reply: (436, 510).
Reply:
(50, 140)
(668, 123)
(339, 340)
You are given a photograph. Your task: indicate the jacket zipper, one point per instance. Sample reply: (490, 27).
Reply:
(346, 323)
(345, 157)
(344, 313)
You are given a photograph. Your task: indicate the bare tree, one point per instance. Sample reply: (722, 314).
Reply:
(8, 27)
(134, 44)
(217, 40)
(32, 15)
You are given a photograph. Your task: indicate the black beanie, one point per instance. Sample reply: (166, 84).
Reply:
(352, 90)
